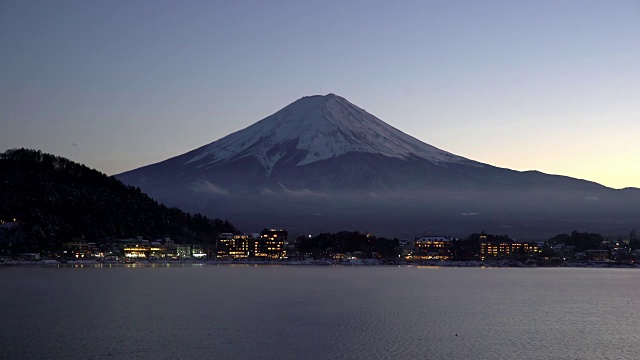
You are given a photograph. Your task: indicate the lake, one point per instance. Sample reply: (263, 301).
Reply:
(316, 312)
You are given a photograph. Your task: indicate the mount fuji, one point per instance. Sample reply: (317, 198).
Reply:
(324, 164)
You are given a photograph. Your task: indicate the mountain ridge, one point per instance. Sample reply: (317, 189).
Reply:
(324, 155)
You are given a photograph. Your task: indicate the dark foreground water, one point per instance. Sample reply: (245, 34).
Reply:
(297, 312)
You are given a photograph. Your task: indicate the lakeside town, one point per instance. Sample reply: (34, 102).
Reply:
(277, 246)
(56, 211)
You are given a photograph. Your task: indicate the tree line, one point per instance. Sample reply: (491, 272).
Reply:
(54, 200)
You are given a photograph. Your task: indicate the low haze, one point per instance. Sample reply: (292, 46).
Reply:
(551, 85)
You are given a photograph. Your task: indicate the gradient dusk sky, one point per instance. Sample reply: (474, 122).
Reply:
(546, 85)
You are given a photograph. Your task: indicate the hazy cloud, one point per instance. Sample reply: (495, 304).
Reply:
(210, 188)
(296, 193)
(301, 193)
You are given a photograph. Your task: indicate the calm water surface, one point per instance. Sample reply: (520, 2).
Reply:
(298, 312)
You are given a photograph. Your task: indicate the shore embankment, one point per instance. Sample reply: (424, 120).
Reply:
(320, 262)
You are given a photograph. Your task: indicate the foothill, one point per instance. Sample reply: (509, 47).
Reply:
(57, 211)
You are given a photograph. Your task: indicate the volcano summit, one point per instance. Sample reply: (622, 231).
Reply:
(317, 128)
(324, 164)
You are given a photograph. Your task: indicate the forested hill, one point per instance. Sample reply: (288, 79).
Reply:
(54, 199)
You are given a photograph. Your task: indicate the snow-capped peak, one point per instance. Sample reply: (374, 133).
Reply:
(324, 127)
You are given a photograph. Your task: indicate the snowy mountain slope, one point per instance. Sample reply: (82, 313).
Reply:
(322, 127)
(322, 163)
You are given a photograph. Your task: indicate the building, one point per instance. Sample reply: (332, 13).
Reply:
(223, 245)
(496, 249)
(30, 256)
(271, 244)
(135, 251)
(234, 246)
(157, 251)
(183, 251)
(432, 248)
(79, 249)
(198, 252)
(598, 255)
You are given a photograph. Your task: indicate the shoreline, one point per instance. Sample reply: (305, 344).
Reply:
(363, 262)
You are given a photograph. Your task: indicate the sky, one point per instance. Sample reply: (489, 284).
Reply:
(552, 86)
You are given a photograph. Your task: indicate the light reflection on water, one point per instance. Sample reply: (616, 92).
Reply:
(132, 265)
(248, 311)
